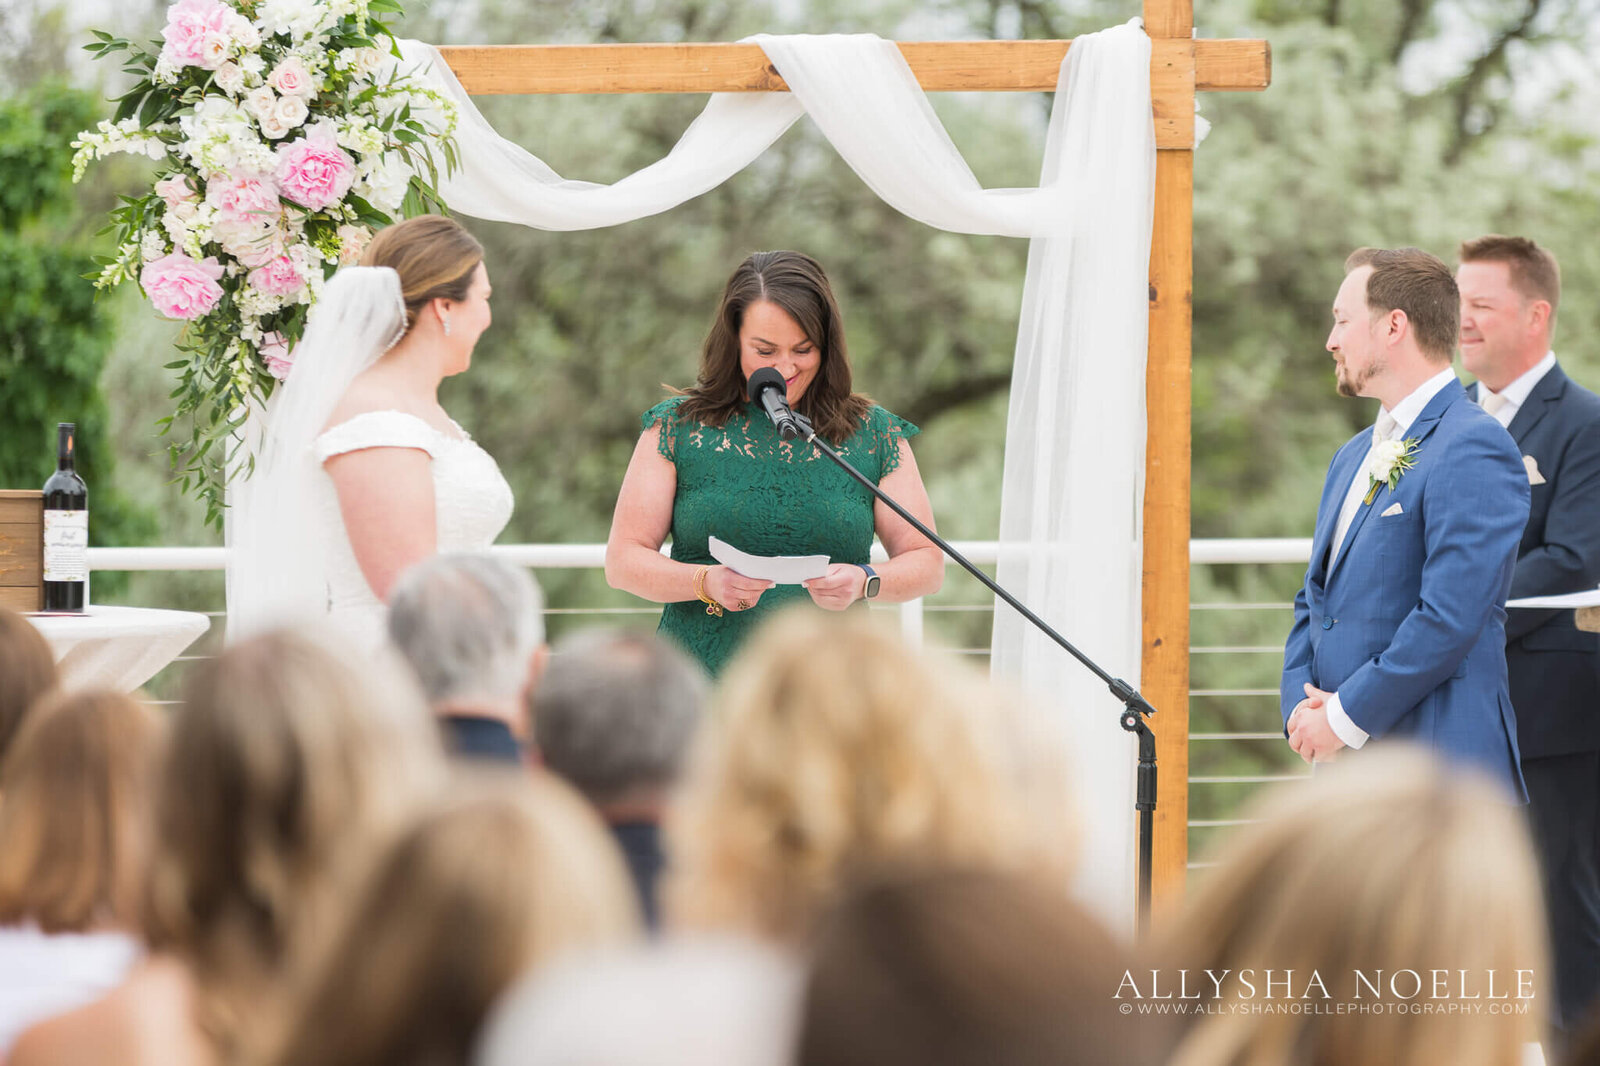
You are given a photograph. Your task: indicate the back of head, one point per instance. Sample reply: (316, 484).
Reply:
(434, 256)
(27, 672)
(833, 745)
(958, 967)
(1388, 866)
(614, 713)
(1533, 271)
(468, 625)
(73, 834)
(1413, 281)
(287, 770)
(506, 876)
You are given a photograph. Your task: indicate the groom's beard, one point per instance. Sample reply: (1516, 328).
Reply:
(1352, 386)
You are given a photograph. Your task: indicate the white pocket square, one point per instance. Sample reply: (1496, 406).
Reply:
(1531, 464)
(1394, 508)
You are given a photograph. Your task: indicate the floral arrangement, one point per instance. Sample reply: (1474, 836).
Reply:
(285, 131)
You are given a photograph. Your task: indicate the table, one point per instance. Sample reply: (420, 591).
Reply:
(117, 647)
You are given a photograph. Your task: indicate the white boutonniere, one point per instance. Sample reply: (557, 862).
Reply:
(1389, 460)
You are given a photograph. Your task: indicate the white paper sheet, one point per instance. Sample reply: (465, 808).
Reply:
(1587, 598)
(782, 569)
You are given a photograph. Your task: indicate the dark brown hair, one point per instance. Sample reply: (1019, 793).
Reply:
(966, 968)
(796, 283)
(27, 671)
(434, 257)
(72, 829)
(1419, 284)
(1535, 274)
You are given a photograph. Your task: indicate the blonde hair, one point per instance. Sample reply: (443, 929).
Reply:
(833, 746)
(77, 787)
(287, 771)
(476, 892)
(434, 256)
(29, 671)
(1389, 861)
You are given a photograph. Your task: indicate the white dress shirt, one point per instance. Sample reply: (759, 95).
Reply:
(1514, 395)
(1405, 412)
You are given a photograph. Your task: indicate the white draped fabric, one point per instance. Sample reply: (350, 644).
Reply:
(1073, 490)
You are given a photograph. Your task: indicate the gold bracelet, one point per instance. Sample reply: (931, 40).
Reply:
(713, 608)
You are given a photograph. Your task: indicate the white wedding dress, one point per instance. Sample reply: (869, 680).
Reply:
(471, 502)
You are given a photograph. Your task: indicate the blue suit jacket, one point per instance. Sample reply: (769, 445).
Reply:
(1555, 666)
(1409, 628)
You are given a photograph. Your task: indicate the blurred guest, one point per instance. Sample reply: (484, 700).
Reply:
(1392, 863)
(73, 843)
(472, 896)
(614, 714)
(472, 628)
(286, 772)
(27, 672)
(833, 745)
(966, 968)
(685, 1002)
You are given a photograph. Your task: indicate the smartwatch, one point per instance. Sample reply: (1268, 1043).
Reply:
(873, 581)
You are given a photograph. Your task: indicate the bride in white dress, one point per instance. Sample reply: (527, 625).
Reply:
(360, 472)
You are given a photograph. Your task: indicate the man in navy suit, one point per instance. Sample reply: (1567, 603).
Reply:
(1399, 629)
(1510, 288)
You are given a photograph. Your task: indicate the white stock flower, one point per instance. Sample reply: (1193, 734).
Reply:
(151, 246)
(297, 18)
(383, 185)
(356, 134)
(253, 64)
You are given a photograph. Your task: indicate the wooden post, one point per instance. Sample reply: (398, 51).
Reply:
(1165, 661)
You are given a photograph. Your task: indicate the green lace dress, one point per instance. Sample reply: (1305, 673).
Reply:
(765, 496)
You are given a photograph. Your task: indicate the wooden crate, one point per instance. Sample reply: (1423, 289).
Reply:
(21, 549)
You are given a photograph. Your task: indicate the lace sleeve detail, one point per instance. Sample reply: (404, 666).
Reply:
(378, 429)
(888, 430)
(664, 414)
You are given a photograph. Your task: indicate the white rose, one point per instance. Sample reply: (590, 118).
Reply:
(291, 78)
(365, 61)
(230, 78)
(261, 102)
(274, 126)
(242, 30)
(214, 50)
(291, 111)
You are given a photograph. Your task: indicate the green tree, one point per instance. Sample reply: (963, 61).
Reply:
(53, 336)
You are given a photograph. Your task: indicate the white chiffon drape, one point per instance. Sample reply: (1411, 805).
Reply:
(1074, 467)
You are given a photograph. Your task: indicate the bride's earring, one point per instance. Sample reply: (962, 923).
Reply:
(446, 326)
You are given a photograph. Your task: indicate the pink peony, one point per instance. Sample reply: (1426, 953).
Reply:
(242, 196)
(279, 277)
(314, 171)
(175, 190)
(276, 354)
(179, 287)
(189, 24)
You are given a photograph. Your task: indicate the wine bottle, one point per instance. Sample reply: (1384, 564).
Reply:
(66, 530)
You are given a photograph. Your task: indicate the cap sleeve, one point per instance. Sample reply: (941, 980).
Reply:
(378, 429)
(664, 414)
(889, 429)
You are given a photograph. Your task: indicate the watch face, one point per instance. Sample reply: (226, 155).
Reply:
(873, 581)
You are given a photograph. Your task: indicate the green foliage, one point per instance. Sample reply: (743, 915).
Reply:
(53, 336)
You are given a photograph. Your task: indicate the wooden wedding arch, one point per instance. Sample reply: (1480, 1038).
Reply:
(1180, 65)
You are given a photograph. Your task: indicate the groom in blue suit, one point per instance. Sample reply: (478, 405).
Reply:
(1399, 629)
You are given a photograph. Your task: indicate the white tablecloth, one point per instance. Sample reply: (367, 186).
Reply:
(117, 647)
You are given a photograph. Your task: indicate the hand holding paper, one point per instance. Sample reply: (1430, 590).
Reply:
(781, 569)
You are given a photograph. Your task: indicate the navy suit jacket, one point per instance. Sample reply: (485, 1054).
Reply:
(1555, 667)
(1409, 628)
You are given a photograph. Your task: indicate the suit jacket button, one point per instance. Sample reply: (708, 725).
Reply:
(1327, 623)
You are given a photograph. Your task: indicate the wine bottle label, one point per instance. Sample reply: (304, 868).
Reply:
(66, 545)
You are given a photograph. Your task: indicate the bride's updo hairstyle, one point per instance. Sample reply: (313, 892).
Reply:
(434, 257)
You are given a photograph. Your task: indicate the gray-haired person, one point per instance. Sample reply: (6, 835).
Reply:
(472, 628)
(613, 715)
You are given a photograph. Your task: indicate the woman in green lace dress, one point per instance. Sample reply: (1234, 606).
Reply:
(710, 463)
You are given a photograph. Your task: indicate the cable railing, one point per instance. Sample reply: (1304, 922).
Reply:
(1236, 742)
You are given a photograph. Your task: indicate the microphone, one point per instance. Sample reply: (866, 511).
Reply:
(767, 388)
